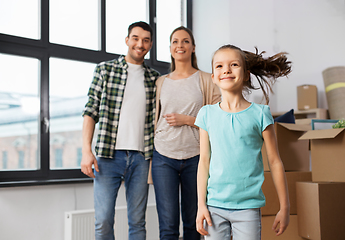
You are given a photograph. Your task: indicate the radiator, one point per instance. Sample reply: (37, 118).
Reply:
(79, 225)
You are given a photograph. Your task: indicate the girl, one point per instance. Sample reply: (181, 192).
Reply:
(180, 95)
(230, 172)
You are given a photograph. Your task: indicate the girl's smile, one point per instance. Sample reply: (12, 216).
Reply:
(227, 78)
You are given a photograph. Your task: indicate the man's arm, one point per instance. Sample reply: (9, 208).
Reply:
(88, 159)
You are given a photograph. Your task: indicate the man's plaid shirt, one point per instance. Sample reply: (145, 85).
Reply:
(105, 99)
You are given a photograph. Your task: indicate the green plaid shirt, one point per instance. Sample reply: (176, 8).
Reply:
(105, 100)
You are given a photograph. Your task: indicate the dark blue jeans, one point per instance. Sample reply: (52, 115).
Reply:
(167, 175)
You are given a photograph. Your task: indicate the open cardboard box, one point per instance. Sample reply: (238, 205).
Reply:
(327, 154)
(321, 210)
(272, 202)
(294, 153)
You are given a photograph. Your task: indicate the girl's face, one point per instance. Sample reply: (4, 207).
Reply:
(181, 47)
(228, 70)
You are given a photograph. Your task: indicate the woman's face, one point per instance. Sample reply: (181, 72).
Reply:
(181, 46)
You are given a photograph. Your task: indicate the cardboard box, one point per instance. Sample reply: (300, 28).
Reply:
(327, 154)
(272, 202)
(306, 97)
(291, 233)
(321, 210)
(294, 153)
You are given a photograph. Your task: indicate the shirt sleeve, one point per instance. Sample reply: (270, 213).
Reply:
(267, 118)
(200, 120)
(94, 95)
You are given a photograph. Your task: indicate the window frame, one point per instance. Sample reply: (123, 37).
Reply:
(42, 50)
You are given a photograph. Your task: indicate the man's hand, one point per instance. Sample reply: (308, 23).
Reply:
(87, 161)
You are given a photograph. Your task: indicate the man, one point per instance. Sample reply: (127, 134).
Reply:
(122, 100)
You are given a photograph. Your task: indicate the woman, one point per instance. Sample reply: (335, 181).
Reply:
(180, 95)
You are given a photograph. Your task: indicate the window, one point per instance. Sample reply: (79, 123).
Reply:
(170, 14)
(21, 156)
(79, 156)
(74, 24)
(14, 12)
(4, 160)
(47, 67)
(19, 111)
(138, 12)
(58, 158)
(66, 123)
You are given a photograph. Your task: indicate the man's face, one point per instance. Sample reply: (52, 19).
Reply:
(139, 43)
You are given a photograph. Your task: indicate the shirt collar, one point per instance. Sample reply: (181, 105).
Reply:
(124, 64)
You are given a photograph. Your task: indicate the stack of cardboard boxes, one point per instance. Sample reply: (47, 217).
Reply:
(295, 157)
(321, 202)
(314, 162)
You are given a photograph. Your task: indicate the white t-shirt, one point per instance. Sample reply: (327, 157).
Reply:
(130, 135)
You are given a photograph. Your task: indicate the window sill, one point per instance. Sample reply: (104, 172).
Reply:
(45, 182)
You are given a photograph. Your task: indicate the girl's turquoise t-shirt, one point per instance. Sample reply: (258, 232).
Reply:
(236, 170)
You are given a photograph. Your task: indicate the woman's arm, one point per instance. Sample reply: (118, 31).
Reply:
(202, 177)
(175, 119)
(279, 179)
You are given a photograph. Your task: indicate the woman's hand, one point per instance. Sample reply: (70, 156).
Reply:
(203, 214)
(176, 120)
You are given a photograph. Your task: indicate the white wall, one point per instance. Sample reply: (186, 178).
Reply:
(38, 212)
(311, 31)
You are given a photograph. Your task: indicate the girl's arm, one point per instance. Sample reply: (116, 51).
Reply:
(202, 177)
(175, 119)
(279, 179)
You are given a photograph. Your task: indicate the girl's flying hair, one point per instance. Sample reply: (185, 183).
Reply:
(266, 70)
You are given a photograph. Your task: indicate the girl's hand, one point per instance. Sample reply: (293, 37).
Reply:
(281, 222)
(203, 214)
(175, 119)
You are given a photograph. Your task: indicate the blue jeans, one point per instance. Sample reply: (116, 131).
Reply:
(167, 175)
(242, 224)
(131, 167)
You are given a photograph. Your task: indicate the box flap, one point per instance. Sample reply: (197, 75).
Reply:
(296, 127)
(322, 134)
